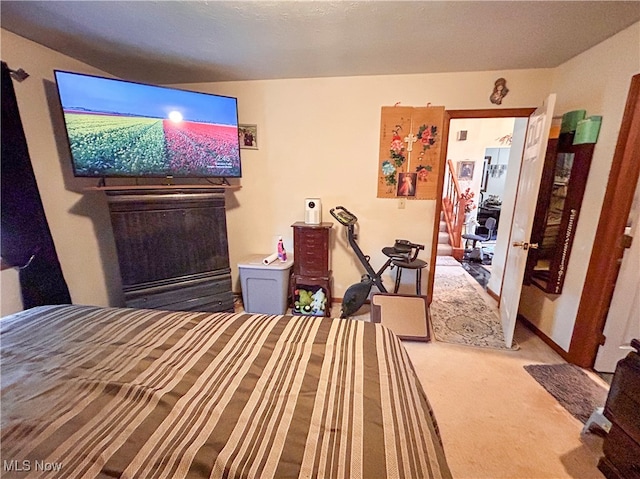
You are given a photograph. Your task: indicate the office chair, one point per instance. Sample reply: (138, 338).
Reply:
(476, 251)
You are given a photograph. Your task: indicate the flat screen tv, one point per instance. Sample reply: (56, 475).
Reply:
(119, 128)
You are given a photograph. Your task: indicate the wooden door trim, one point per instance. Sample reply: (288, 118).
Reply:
(604, 265)
(452, 115)
(499, 113)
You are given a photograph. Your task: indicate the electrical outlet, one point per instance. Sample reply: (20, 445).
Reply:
(402, 203)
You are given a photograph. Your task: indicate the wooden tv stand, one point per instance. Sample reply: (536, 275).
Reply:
(172, 247)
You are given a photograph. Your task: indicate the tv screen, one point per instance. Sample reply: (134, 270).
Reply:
(124, 129)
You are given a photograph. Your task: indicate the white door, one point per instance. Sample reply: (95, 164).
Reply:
(623, 319)
(535, 148)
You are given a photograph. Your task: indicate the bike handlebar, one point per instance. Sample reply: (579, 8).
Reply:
(409, 244)
(344, 216)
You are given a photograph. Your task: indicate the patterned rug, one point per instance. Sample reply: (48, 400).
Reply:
(446, 261)
(571, 386)
(460, 313)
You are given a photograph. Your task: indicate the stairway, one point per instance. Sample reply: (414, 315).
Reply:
(444, 248)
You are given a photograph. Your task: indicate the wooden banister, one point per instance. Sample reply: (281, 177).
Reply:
(453, 207)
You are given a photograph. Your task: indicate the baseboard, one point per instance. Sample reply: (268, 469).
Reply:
(335, 300)
(494, 295)
(548, 341)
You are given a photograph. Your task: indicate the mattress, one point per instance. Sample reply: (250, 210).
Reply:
(108, 392)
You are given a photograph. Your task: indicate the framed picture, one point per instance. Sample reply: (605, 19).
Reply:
(407, 184)
(248, 136)
(465, 170)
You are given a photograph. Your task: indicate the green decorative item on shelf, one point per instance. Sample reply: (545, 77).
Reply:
(587, 130)
(570, 120)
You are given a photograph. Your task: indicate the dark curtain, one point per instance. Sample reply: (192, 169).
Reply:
(25, 236)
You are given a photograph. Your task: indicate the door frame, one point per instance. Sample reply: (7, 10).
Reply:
(448, 116)
(608, 250)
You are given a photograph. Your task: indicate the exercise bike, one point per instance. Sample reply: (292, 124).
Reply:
(402, 254)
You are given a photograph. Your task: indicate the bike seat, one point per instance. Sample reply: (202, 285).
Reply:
(414, 264)
(393, 252)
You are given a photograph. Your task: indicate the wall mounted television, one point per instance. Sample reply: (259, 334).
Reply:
(119, 128)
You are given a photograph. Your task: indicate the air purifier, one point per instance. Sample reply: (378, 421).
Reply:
(312, 211)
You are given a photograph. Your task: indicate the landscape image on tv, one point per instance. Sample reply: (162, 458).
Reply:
(120, 128)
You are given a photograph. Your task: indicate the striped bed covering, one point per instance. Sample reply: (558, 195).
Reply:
(107, 392)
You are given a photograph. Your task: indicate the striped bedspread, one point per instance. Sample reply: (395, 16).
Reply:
(106, 392)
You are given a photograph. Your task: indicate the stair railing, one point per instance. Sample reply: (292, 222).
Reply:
(453, 207)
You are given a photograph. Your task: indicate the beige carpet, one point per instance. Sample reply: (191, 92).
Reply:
(496, 421)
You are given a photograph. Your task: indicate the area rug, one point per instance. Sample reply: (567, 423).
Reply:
(460, 312)
(571, 386)
(446, 261)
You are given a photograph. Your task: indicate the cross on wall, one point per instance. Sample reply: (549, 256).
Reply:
(410, 139)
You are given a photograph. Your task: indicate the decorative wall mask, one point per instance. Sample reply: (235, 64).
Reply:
(500, 90)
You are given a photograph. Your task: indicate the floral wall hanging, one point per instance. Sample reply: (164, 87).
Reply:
(410, 142)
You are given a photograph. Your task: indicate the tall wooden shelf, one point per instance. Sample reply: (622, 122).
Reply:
(311, 265)
(172, 247)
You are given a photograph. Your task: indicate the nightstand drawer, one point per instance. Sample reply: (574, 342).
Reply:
(312, 235)
(623, 401)
(311, 249)
(623, 452)
(312, 267)
(203, 292)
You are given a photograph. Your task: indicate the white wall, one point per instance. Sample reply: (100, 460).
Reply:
(482, 133)
(597, 81)
(320, 138)
(10, 296)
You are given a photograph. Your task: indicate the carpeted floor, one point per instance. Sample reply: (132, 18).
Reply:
(571, 386)
(461, 312)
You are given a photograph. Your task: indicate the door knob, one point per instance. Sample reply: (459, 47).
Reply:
(524, 245)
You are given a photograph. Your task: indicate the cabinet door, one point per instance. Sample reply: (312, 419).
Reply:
(162, 238)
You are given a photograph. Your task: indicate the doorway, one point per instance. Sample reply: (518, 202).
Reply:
(479, 151)
(518, 117)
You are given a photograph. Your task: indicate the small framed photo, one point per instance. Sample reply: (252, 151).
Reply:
(248, 136)
(465, 170)
(407, 184)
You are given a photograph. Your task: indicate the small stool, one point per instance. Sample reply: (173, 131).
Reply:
(416, 264)
(598, 418)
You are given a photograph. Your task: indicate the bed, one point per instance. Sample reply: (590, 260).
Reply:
(110, 392)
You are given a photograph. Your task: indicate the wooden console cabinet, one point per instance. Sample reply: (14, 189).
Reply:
(311, 257)
(172, 248)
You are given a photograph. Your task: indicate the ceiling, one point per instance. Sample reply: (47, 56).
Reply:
(170, 42)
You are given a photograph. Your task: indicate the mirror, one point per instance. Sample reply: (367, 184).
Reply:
(562, 188)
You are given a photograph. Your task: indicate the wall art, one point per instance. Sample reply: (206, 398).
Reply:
(248, 136)
(410, 142)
